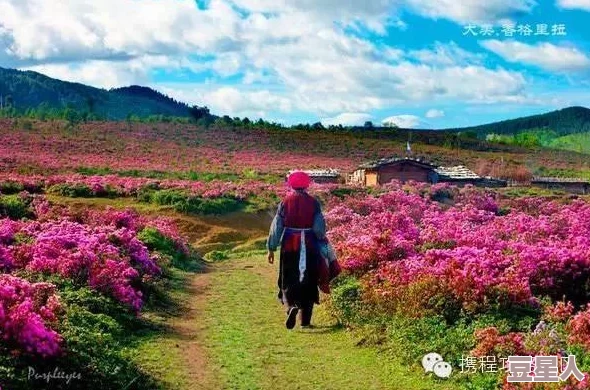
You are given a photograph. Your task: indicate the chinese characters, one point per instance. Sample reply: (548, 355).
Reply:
(515, 30)
(525, 368)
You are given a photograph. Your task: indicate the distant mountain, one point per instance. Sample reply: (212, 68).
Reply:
(571, 120)
(30, 90)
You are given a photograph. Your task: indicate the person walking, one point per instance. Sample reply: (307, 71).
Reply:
(300, 228)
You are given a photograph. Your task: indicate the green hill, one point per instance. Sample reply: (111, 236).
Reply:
(571, 120)
(579, 142)
(26, 90)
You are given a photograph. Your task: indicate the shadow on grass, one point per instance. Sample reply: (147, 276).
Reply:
(321, 329)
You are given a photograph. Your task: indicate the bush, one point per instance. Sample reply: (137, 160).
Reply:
(14, 207)
(72, 190)
(166, 197)
(217, 255)
(346, 303)
(96, 331)
(154, 240)
(11, 187)
(185, 203)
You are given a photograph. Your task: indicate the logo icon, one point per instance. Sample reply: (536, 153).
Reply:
(433, 362)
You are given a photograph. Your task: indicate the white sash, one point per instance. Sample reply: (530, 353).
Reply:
(302, 253)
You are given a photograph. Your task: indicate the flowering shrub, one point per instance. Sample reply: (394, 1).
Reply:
(399, 239)
(467, 256)
(27, 311)
(100, 250)
(560, 312)
(489, 342)
(579, 328)
(105, 258)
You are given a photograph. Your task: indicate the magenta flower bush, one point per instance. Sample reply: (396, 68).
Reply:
(130, 186)
(96, 249)
(27, 311)
(402, 239)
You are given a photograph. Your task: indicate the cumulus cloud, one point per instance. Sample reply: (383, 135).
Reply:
(574, 4)
(296, 54)
(543, 55)
(110, 74)
(64, 31)
(403, 121)
(466, 11)
(434, 113)
(347, 119)
(445, 55)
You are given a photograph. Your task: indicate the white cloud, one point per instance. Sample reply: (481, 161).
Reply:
(226, 100)
(467, 11)
(373, 14)
(62, 31)
(403, 121)
(543, 55)
(574, 4)
(446, 55)
(294, 53)
(347, 119)
(434, 113)
(110, 74)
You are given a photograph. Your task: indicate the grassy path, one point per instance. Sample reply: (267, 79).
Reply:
(225, 328)
(247, 341)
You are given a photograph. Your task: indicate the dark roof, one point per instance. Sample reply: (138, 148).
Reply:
(559, 180)
(397, 160)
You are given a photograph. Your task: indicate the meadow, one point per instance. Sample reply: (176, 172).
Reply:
(186, 151)
(128, 250)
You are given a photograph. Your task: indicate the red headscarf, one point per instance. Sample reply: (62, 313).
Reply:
(299, 180)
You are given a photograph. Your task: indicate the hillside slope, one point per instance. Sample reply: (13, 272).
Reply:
(31, 90)
(571, 120)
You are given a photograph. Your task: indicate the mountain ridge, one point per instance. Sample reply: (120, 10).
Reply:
(26, 90)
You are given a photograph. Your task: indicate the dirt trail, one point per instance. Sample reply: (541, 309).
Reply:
(207, 234)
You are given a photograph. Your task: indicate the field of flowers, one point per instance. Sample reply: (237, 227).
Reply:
(73, 283)
(187, 196)
(50, 147)
(459, 271)
(466, 272)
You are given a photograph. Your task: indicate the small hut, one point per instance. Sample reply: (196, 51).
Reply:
(572, 185)
(404, 169)
(321, 176)
(459, 175)
(386, 170)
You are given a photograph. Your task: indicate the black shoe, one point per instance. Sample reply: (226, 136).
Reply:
(291, 318)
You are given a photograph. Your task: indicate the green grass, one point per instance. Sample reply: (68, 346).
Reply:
(248, 341)
(158, 353)
(571, 173)
(247, 174)
(579, 142)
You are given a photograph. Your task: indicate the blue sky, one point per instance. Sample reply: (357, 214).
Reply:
(409, 62)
